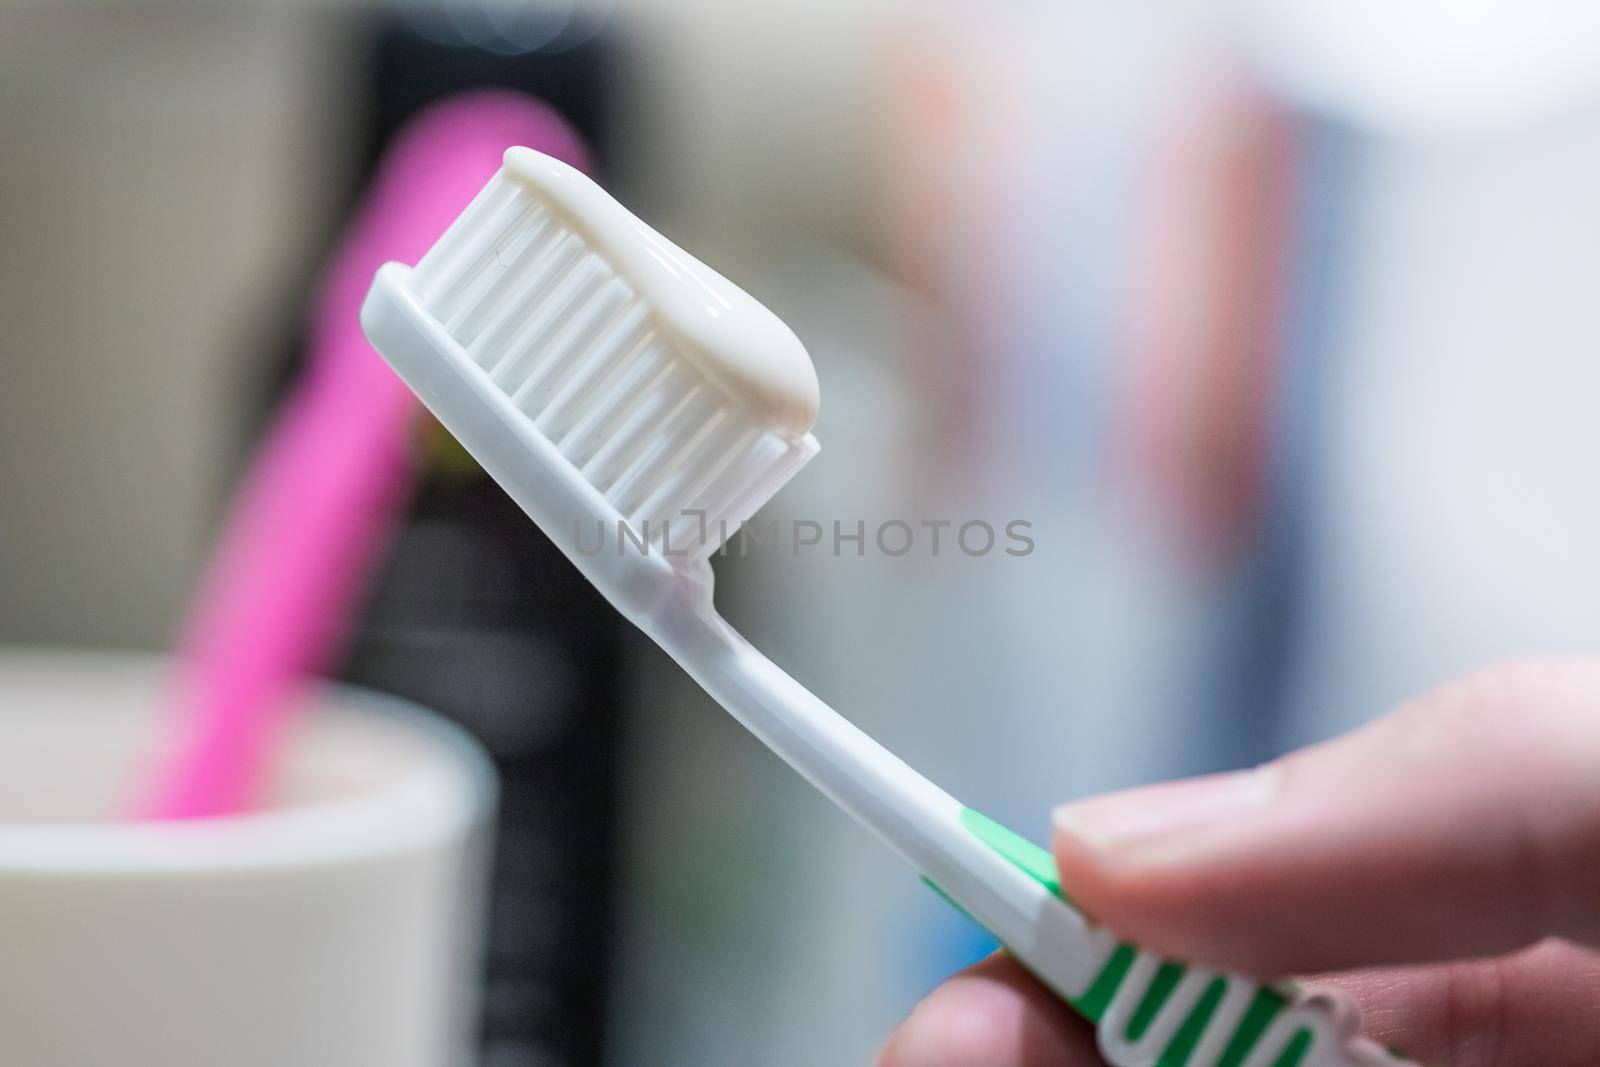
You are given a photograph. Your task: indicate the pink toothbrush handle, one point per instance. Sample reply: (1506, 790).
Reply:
(324, 487)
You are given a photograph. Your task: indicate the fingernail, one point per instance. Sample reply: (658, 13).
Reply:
(1138, 817)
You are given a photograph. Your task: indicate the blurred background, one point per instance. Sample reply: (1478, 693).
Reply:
(1278, 322)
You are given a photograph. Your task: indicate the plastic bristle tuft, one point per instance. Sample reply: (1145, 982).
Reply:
(574, 348)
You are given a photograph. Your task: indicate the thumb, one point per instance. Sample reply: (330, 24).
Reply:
(1467, 823)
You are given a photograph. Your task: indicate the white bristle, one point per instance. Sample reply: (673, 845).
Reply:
(575, 349)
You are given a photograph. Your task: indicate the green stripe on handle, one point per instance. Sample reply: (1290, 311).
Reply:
(1262, 1011)
(1264, 1008)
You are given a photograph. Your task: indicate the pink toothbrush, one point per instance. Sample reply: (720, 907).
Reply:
(332, 471)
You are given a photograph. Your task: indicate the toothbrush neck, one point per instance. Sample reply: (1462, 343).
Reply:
(683, 618)
(837, 757)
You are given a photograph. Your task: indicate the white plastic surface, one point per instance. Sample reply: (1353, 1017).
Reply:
(671, 600)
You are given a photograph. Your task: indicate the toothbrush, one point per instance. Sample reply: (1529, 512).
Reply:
(322, 491)
(603, 376)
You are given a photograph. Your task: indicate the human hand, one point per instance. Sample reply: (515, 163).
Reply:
(1441, 865)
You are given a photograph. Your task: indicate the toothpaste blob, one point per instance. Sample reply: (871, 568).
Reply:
(732, 338)
(668, 390)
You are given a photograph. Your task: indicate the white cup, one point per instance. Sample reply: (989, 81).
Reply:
(338, 926)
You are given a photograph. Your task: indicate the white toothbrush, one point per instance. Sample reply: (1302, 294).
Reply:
(600, 374)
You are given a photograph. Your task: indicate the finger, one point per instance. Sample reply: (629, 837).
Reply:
(1466, 824)
(1536, 1008)
(993, 1014)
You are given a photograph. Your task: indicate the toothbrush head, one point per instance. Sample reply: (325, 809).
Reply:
(597, 371)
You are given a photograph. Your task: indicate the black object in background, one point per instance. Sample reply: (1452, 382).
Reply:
(479, 617)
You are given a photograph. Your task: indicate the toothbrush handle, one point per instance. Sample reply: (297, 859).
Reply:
(1148, 1011)
(1155, 1012)
(910, 814)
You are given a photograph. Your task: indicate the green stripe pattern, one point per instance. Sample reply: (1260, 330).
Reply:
(1263, 1009)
